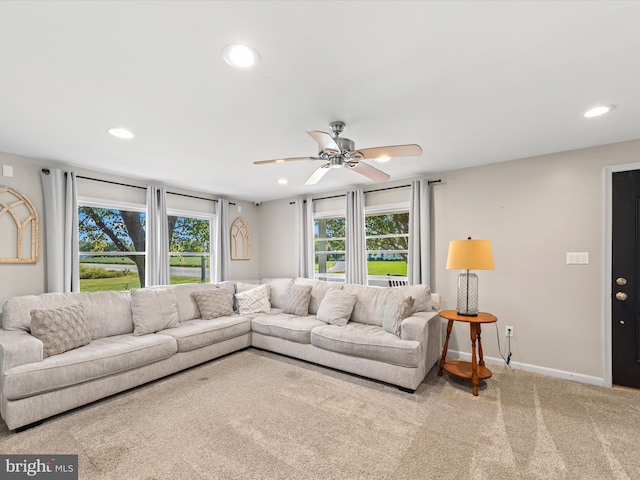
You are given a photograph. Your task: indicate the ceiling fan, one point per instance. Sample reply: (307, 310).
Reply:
(340, 152)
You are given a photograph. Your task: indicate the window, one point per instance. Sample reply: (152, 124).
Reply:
(387, 240)
(190, 248)
(387, 237)
(112, 246)
(329, 248)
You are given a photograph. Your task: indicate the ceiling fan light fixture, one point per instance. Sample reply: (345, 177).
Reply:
(383, 159)
(122, 133)
(240, 56)
(598, 110)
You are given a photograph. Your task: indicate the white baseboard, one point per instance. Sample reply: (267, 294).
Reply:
(551, 372)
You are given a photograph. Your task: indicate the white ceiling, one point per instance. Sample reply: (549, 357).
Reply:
(471, 82)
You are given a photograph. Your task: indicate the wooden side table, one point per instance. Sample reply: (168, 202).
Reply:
(475, 369)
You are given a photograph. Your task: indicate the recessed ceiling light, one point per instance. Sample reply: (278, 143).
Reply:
(598, 110)
(240, 56)
(383, 159)
(283, 181)
(120, 132)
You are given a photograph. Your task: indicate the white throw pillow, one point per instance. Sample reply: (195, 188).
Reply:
(336, 307)
(254, 301)
(153, 309)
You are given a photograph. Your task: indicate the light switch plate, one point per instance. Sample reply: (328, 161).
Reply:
(7, 170)
(577, 258)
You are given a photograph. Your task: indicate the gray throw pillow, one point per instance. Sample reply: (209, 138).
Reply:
(213, 303)
(396, 309)
(297, 300)
(60, 329)
(336, 307)
(153, 309)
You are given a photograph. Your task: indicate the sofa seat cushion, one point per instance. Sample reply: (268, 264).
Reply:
(286, 326)
(368, 341)
(100, 358)
(194, 334)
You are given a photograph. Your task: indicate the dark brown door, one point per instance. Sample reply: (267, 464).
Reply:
(625, 301)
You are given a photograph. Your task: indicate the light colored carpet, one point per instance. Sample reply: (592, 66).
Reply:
(256, 415)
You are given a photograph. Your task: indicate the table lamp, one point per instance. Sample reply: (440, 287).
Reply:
(469, 255)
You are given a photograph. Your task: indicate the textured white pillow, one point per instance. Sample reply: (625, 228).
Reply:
(336, 307)
(396, 309)
(254, 301)
(297, 300)
(60, 329)
(154, 309)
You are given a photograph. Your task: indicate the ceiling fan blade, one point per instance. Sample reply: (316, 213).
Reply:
(318, 174)
(368, 171)
(282, 160)
(411, 150)
(326, 141)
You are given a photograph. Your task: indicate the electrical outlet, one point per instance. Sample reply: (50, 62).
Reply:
(508, 331)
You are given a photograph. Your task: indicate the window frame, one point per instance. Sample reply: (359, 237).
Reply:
(211, 217)
(330, 277)
(111, 205)
(389, 208)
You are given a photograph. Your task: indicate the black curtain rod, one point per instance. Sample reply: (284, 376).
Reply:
(370, 191)
(46, 172)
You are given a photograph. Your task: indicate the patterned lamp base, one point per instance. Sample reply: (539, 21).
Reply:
(468, 294)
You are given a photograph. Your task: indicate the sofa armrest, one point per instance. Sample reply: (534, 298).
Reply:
(414, 327)
(18, 348)
(426, 328)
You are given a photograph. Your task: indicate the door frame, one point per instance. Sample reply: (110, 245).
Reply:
(608, 252)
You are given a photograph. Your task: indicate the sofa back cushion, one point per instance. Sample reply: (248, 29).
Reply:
(421, 295)
(370, 302)
(319, 289)
(277, 290)
(108, 313)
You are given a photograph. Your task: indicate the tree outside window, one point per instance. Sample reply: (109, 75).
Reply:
(112, 248)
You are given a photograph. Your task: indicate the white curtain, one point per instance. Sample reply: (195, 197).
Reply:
(157, 270)
(60, 197)
(222, 252)
(420, 233)
(304, 229)
(355, 244)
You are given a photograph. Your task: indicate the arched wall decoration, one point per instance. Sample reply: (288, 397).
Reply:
(240, 240)
(20, 209)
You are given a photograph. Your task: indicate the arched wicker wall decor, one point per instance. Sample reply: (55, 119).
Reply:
(240, 240)
(24, 215)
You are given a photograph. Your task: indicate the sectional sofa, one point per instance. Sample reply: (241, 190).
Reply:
(59, 351)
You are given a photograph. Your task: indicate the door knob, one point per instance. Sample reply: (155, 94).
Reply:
(621, 296)
(621, 281)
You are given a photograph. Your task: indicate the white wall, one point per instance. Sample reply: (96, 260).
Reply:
(277, 239)
(534, 211)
